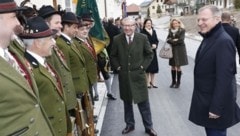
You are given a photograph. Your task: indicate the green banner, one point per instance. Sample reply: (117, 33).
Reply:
(90, 6)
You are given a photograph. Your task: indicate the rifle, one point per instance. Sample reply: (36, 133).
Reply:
(89, 109)
(81, 118)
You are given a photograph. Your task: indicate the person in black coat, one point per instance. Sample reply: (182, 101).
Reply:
(231, 30)
(153, 40)
(213, 103)
(112, 31)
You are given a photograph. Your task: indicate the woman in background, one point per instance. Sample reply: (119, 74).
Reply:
(176, 37)
(153, 40)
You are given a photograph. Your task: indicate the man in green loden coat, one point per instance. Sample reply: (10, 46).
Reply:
(57, 59)
(130, 56)
(39, 42)
(21, 110)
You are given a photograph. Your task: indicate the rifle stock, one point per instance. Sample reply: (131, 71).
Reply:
(89, 109)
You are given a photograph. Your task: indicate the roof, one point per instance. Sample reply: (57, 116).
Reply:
(170, 2)
(146, 3)
(133, 8)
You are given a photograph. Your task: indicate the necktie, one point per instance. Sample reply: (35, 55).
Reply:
(91, 49)
(129, 40)
(55, 77)
(59, 54)
(50, 70)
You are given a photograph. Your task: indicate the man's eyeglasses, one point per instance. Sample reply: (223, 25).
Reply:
(129, 25)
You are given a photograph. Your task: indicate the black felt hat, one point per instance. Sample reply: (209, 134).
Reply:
(47, 11)
(80, 22)
(35, 28)
(87, 17)
(69, 17)
(7, 6)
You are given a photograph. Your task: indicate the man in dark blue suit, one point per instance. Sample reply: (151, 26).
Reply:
(231, 30)
(214, 99)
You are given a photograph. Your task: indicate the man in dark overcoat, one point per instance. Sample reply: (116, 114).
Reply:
(231, 30)
(214, 99)
(131, 54)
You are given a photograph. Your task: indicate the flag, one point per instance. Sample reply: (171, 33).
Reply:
(97, 32)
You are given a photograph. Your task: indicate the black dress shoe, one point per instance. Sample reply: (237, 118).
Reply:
(151, 132)
(153, 86)
(96, 131)
(96, 98)
(127, 130)
(95, 119)
(111, 97)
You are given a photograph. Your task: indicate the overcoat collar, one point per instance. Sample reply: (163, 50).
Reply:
(209, 38)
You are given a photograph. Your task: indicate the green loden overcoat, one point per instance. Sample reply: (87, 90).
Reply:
(132, 60)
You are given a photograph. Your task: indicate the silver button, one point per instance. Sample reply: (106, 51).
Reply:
(62, 102)
(32, 120)
(36, 105)
(59, 109)
(60, 120)
(59, 131)
(36, 134)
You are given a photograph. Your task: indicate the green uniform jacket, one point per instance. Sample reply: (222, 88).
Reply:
(17, 46)
(76, 62)
(20, 110)
(51, 96)
(90, 59)
(132, 59)
(64, 72)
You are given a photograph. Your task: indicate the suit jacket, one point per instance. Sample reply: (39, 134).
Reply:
(51, 96)
(21, 110)
(76, 63)
(60, 65)
(133, 59)
(214, 81)
(90, 59)
(234, 33)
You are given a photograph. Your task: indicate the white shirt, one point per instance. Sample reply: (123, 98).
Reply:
(40, 59)
(66, 36)
(127, 37)
(3, 51)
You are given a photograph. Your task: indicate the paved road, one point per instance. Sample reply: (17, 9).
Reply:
(170, 107)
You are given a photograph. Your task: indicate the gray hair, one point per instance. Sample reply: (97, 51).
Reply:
(29, 42)
(214, 9)
(128, 19)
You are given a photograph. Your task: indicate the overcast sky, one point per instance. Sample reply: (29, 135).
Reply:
(138, 2)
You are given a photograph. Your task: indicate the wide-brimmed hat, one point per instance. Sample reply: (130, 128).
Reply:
(7, 6)
(69, 17)
(80, 22)
(87, 17)
(47, 11)
(35, 28)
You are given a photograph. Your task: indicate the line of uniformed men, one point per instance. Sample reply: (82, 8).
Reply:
(49, 93)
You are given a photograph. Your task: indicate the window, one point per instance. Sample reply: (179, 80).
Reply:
(153, 7)
(157, 1)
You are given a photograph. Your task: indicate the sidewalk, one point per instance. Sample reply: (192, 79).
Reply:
(100, 105)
